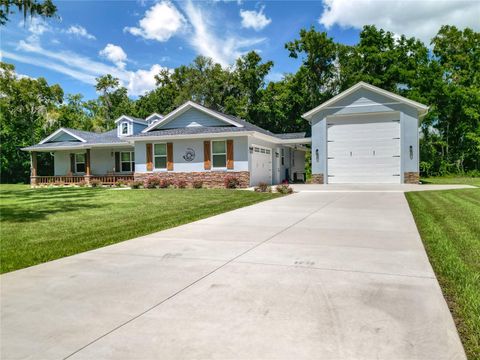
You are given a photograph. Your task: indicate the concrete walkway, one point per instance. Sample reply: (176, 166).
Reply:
(314, 275)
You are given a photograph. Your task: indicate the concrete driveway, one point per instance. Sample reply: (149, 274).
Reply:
(336, 274)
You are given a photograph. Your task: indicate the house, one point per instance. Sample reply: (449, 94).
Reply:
(190, 143)
(363, 135)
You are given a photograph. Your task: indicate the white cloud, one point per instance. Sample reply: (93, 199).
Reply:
(36, 26)
(160, 22)
(115, 54)
(83, 68)
(421, 19)
(223, 50)
(254, 20)
(80, 31)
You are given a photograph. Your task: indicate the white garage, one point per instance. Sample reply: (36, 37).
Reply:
(261, 171)
(365, 135)
(363, 149)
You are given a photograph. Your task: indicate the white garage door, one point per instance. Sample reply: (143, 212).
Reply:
(261, 165)
(363, 150)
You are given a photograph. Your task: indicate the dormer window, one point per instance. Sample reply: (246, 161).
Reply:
(124, 128)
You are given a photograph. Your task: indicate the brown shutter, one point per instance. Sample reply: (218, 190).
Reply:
(149, 157)
(117, 162)
(169, 156)
(229, 154)
(206, 155)
(72, 163)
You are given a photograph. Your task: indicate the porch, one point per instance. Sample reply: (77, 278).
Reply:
(79, 169)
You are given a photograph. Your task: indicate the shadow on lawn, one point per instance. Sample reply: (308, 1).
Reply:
(35, 204)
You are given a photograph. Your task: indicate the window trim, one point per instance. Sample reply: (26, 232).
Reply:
(131, 162)
(121, 128)
(155, 156)
(84, 163)
(211, 154)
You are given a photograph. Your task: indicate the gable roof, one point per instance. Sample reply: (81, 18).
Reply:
(363, 85)
(191, 105)
(131, 118)
(154, 115)
(73, 133)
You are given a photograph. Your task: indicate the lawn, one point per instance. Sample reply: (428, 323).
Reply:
(463, 180)
(39, 225)
(449, 224)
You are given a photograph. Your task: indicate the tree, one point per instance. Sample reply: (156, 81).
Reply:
(27, 7)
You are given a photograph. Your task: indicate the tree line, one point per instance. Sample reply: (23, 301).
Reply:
(445, 76)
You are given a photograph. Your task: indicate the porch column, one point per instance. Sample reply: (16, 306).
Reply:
(87, 167)
(33, 168)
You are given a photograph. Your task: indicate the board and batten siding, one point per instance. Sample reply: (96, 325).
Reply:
(180, 147)
(193, 118)
(366, 103)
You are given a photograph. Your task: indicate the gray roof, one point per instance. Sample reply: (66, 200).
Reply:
(297, 135)
(91, 138)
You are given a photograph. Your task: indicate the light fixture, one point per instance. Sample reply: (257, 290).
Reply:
(411, 152)
(317, 155)
(251, 149)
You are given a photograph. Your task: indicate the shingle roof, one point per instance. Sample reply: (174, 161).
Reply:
(297, 135)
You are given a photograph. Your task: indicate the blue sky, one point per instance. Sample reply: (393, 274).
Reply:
(133, 40)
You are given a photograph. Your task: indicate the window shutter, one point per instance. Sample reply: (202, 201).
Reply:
(149, 157)
(230, 154)
(170, 156)
(117, 162)
(72, 163)
(206, 155)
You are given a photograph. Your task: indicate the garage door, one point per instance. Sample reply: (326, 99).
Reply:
(261, 165)
(363, 150)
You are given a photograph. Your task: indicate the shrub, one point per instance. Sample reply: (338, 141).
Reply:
(197, 184)
(165, 183)
(82, 183)
(136, 184)
(231, 182)
(95, 183)
(263, 187)
(120, 183)
(151, 182)
(181, 184)
(284, 189)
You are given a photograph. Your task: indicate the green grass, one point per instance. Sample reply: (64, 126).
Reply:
(39, 225)
(443, 180)
(449, 224)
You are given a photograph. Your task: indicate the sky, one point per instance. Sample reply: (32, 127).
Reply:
(134, 40)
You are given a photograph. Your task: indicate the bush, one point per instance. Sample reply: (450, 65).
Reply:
(82, 183)
(136, 184)
(120, 183)
(151, 182)
(263, 187)
(231, 182)
(165, 183)
(95, 183)
(197, 184)
(284, 189)
(181, 184)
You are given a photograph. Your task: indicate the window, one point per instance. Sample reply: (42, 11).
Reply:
(160, 156)
(283, 156)
(124, 128)
(219, 154)
(127, 160)
(80, 163)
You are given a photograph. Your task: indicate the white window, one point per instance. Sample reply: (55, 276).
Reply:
(79, 163)
(127, 161)
(219, 154)
(160, 156)
(124, 129)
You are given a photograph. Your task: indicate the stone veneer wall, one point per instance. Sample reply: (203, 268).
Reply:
(411, 178)
(209, 178)
(317, 179)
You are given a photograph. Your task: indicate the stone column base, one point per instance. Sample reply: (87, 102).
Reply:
(411, 178)
(209, 178)
(317, 179)
(33, 181)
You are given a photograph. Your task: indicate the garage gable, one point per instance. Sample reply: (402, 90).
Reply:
(363, 98)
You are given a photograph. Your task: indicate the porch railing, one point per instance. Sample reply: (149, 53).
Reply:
(75, 179)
